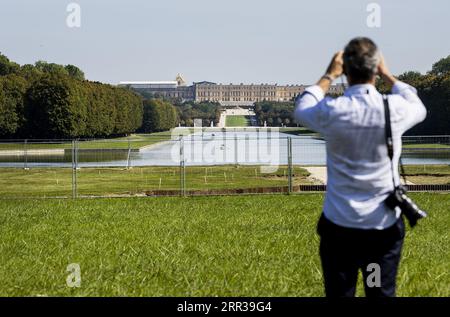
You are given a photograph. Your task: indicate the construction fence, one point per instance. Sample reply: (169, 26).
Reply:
(210, 162)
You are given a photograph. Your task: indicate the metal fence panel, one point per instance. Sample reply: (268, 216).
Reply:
(210, 161)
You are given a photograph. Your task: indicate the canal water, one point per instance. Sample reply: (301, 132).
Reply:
(209, 148)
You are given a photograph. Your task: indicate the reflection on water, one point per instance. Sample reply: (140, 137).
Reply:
(63, 157)
(209, 148)
(426, 157)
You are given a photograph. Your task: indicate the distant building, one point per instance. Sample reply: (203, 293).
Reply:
(169, 89)
(245, 94)
(232, 94)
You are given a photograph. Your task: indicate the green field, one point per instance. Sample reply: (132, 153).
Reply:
(135, 141)
(57, 182)
(428, 174)
(236, 121)
(297, 131)
(426, 145)
(197, 246)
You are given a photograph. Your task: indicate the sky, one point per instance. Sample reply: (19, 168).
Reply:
(223, 41)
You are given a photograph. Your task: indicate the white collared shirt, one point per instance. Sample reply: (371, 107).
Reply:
(358, 167)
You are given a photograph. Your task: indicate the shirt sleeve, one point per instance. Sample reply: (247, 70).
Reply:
(411, 110)
(309, 108)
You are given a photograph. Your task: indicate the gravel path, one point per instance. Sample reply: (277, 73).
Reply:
(319, 173)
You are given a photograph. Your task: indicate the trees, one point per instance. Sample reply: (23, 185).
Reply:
(152, 116)
(101, 120)
(63, 107)
(434, 90)
(159, 115)
(51, 68)
(47, 100)
(275, 113)
(129, 111)
(206, 111)
(6, 66)
(74, 72)
(30, 72)
(441, 67)
(414, 78)
(12, 93)
(57, 108)
(42, 67)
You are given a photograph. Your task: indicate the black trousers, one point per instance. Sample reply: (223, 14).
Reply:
(344, 251)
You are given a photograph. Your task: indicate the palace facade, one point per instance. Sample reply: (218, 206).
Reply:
(231, 94)
(244, 93)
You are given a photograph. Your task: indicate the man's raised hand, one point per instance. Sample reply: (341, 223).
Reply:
(336, 67)
(384, 72)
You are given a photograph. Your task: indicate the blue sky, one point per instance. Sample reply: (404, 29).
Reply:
(249, 41)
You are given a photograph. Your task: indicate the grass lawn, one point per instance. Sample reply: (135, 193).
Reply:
(135, 141)
(297, 131)
(236, 121)
(428, 174)
(425, 145)
(57, 182)
(199, 246)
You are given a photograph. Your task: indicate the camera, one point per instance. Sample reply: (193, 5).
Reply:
(409, 209)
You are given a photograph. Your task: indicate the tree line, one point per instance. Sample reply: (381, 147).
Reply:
(433, 89)
(206, 111)
(159, 115)
(275, 114)
(163, 113)
(47, 100)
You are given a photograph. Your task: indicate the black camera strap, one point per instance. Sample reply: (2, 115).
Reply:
(390, 140)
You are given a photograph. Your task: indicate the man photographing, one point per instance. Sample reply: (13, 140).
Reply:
(358, 230)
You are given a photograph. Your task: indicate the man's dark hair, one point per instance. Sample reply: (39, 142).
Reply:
(361, 59)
